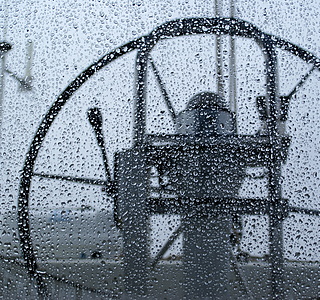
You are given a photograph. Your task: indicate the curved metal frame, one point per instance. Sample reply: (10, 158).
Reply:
(180, 27)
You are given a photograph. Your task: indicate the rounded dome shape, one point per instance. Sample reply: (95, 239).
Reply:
(206, 100)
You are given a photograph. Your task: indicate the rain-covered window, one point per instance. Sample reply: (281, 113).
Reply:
(159, 149)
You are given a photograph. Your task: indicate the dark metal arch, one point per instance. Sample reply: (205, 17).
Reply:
(180, 27)
(27, 172)
(227, 26)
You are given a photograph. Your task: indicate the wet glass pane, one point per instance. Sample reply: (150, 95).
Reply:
(159, 149)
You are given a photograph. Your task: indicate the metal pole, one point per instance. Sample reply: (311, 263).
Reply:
(219, 60)
(133, 192)
(139, 128)
(274, 168)
(132, 188)
(232, 67)
(206, 256)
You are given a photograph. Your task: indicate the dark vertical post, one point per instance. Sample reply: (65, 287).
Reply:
(139, 128)
(274, 185)
(206, 233)
(206, 255)
(133, 191)
(132, 195)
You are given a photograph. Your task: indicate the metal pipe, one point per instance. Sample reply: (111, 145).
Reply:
(232, 67)
(219, 60)
(274, 185)
(301, 82)
(139, 129)
(163, 90)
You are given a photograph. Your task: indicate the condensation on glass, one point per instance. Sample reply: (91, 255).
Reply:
(159, 156)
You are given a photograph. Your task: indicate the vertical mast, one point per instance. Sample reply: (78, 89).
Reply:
(232, 66)
(219, 59)
(226, 46)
